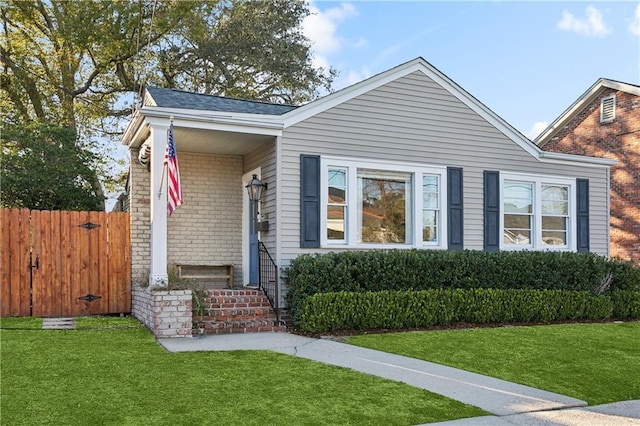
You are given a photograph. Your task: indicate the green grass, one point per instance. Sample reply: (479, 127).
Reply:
(112, 372)
(598, 363)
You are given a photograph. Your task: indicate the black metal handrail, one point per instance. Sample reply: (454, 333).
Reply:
(268, 277)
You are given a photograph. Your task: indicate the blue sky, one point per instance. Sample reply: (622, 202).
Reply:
(527, 61)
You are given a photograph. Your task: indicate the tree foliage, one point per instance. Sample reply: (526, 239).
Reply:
(43, 168)
(77, 63)
(72, 61)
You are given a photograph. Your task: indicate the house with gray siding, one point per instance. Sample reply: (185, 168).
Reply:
(405, 159)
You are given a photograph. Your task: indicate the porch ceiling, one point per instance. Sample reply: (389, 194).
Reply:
(217, 142)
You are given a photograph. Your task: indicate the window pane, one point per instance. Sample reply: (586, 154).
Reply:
(429, 226)
(517, 221)
(430, 192)
(550, 223)
(555, 207)
(555, 193)
(521, 190)
(518, 197)
(337, 186)
(517, 236)
(335, 222)
(517, 229)
(383, 209)
(552, 238)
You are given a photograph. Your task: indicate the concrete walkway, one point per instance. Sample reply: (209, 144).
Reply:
(510, 403)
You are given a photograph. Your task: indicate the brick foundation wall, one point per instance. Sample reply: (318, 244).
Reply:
(165, 313)
(618, 140)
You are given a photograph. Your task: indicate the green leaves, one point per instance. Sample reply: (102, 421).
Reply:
(43, 168)
(396, 270)
(328, 312)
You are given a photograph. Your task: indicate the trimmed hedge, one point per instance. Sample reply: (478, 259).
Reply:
(409, 309)
(392, 270)
(626, 304)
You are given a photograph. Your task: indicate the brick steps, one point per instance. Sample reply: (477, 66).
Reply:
(239, 311)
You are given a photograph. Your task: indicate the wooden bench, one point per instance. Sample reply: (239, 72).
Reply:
(206, 272)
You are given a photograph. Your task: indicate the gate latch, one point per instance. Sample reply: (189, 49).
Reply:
(37, 264)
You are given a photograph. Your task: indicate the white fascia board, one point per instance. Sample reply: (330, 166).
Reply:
(138, 128)
(131, 132)
(293, 117)
(557, 157)
(586, 98)
(203, 118)
(559, 122)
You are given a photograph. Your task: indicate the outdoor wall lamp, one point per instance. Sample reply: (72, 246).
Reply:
(256, 188)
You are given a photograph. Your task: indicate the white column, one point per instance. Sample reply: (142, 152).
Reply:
(158, 195)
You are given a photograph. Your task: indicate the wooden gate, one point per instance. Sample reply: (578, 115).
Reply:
(64, 263)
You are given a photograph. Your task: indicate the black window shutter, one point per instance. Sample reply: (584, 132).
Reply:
(309, 201)
(491, 210)
(582, 195)
(454, 209)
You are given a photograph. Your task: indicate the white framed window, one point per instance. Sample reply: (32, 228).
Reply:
(375, 204)
(537, 212)
(608, 109)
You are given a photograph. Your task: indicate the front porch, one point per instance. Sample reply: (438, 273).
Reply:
(216, 224)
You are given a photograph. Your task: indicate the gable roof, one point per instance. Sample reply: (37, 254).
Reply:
(170, 98)
(582, 102)
(242, 114)
(420, 65)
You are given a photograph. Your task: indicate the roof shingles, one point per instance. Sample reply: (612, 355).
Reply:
(169, 98)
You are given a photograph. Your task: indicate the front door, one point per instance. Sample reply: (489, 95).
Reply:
(249, 234)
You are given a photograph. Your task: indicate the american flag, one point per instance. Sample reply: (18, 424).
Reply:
(173, 174)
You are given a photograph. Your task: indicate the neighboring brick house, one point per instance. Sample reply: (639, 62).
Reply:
(605, 122)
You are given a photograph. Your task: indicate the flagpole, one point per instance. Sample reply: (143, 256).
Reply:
(164, 164)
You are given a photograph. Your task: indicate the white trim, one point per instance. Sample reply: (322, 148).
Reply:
(538, 181)
(586, 98)
(571, 159)
(278, 203)
(352, 228)
(158, 215)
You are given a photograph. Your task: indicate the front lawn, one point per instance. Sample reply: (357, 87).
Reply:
(598, 363)
(111, 371)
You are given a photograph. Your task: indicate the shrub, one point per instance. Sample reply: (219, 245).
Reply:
(377, 270)
(409, 309)
(626, 304)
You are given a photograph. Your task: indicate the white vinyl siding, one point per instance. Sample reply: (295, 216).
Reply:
(414, 120)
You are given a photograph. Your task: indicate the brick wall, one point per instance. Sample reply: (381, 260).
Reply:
(165, 313)
(139, 210)
(207, 228)
(618, 140)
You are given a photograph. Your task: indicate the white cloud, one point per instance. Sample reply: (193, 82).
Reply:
(321, 28)
(591, 25)
(634, 25)
(537, 128)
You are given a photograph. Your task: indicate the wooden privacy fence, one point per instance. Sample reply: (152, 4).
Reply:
(64, 263)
